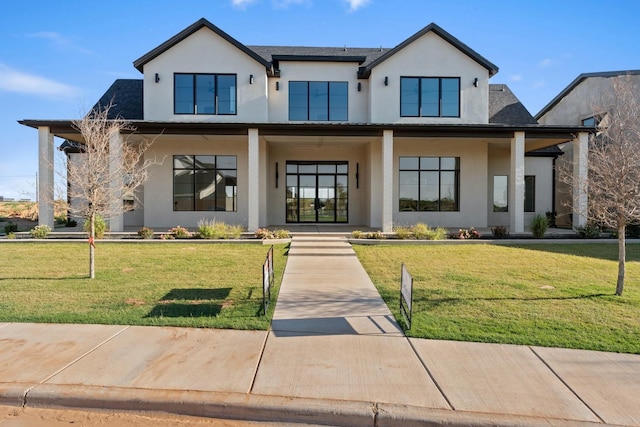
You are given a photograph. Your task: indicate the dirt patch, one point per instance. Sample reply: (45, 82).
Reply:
(23, 214)
(128, 270)
(134, 301)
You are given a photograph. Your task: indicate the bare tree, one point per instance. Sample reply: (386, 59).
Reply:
(613, 185)
(109, 166)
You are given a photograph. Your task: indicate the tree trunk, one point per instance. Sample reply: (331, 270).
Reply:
(92, 247)
(621, 259)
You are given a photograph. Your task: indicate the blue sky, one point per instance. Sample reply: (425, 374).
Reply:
(58, 57)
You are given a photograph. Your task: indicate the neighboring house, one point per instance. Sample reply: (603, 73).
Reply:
(580, 103)
(278, 136)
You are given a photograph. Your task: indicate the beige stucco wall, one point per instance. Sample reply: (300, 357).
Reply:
(205, 52)
(158, 192)
(317, 71)
(429, 56)
(355, 154)
(473, 181)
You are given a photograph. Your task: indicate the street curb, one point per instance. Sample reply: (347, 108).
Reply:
(251, 407)
(12, 394)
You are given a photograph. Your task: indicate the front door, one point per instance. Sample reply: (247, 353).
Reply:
(317, 192)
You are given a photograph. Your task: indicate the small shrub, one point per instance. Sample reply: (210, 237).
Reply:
(167, 236)
(72, 223)
(424, 232)
(180, 233)
(403, 233)
(500, 232)
(357, 234)
(539, 225)
(375, 235)
(465, 234)
(146, 233)
(40, 231)
(100, 226)
(263, 233)
(210, 229)
(589, 231)
(61, 219)
(10, 228)
(282, 234)
(11, 236)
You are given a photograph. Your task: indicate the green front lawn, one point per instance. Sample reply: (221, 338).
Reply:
(548, 295)
(166, 284)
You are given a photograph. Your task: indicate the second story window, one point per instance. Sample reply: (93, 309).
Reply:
(429, 97)
(204, 94)
(318, 101)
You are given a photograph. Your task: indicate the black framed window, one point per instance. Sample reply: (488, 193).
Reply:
(530, 193)
(429, 96)
(318, 101)
(429, 184)
(205, 94)
(205, 183)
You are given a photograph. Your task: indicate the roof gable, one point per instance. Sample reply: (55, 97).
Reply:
(201, 23)
(576, 82)
(493, 69)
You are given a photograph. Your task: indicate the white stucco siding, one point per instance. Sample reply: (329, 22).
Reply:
(540, 167)
(473, 181)
(355, 154)
(317, 71)
(429, 56)
(205, 52)
(158, 191)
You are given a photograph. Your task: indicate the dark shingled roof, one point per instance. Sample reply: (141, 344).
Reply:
(579, 80)
(505, 108)
(126, 97)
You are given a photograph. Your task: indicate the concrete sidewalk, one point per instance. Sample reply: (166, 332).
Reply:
(334, 356)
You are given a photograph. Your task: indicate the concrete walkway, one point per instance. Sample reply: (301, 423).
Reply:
(334, 356)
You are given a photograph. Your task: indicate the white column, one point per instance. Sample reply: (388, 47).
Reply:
(387, 181)
(580, 176)
(516, 184)
(253, 165)
(45, 177)
(116, 222)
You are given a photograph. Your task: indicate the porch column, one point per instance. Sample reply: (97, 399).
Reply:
(516, 186)
(116, 222)
(45, 177)
(253, 165)
(387, 181)
(580, 174)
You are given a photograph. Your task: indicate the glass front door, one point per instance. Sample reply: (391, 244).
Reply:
(317, 192)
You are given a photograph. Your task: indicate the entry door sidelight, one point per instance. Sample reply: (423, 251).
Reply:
(317, 192)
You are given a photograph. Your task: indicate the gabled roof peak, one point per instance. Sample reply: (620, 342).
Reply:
(196, 26)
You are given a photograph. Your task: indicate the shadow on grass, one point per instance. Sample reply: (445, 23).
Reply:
(435, 302)
(190, 303)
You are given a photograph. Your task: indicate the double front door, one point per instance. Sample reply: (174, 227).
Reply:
(317, 192)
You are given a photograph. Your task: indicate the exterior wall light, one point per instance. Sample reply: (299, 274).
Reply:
(157, 78)
(359, 86)
(475, 82)
(277, 85)
(386, 80)
(250, 79)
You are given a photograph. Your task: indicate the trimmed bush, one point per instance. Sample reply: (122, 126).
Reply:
(146, 233)
(500, 232)
(40, 231)
(100, 226)
(539, 226)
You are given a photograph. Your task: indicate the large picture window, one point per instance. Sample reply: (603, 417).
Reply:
(204, 93)
(205, 183)
(318, 101)
(429, 183)
(430, 97)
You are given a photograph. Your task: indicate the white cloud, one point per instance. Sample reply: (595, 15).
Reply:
(538, 84)
(283, 4)
(357, 4)
(242, 4)
(60, 41)
(516, 77)
(16, 81)
(545, 63)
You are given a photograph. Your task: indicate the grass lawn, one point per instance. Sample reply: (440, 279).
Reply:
(177, 284)
(548, 295)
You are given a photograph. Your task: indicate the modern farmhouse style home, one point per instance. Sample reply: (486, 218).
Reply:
(280, 135)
